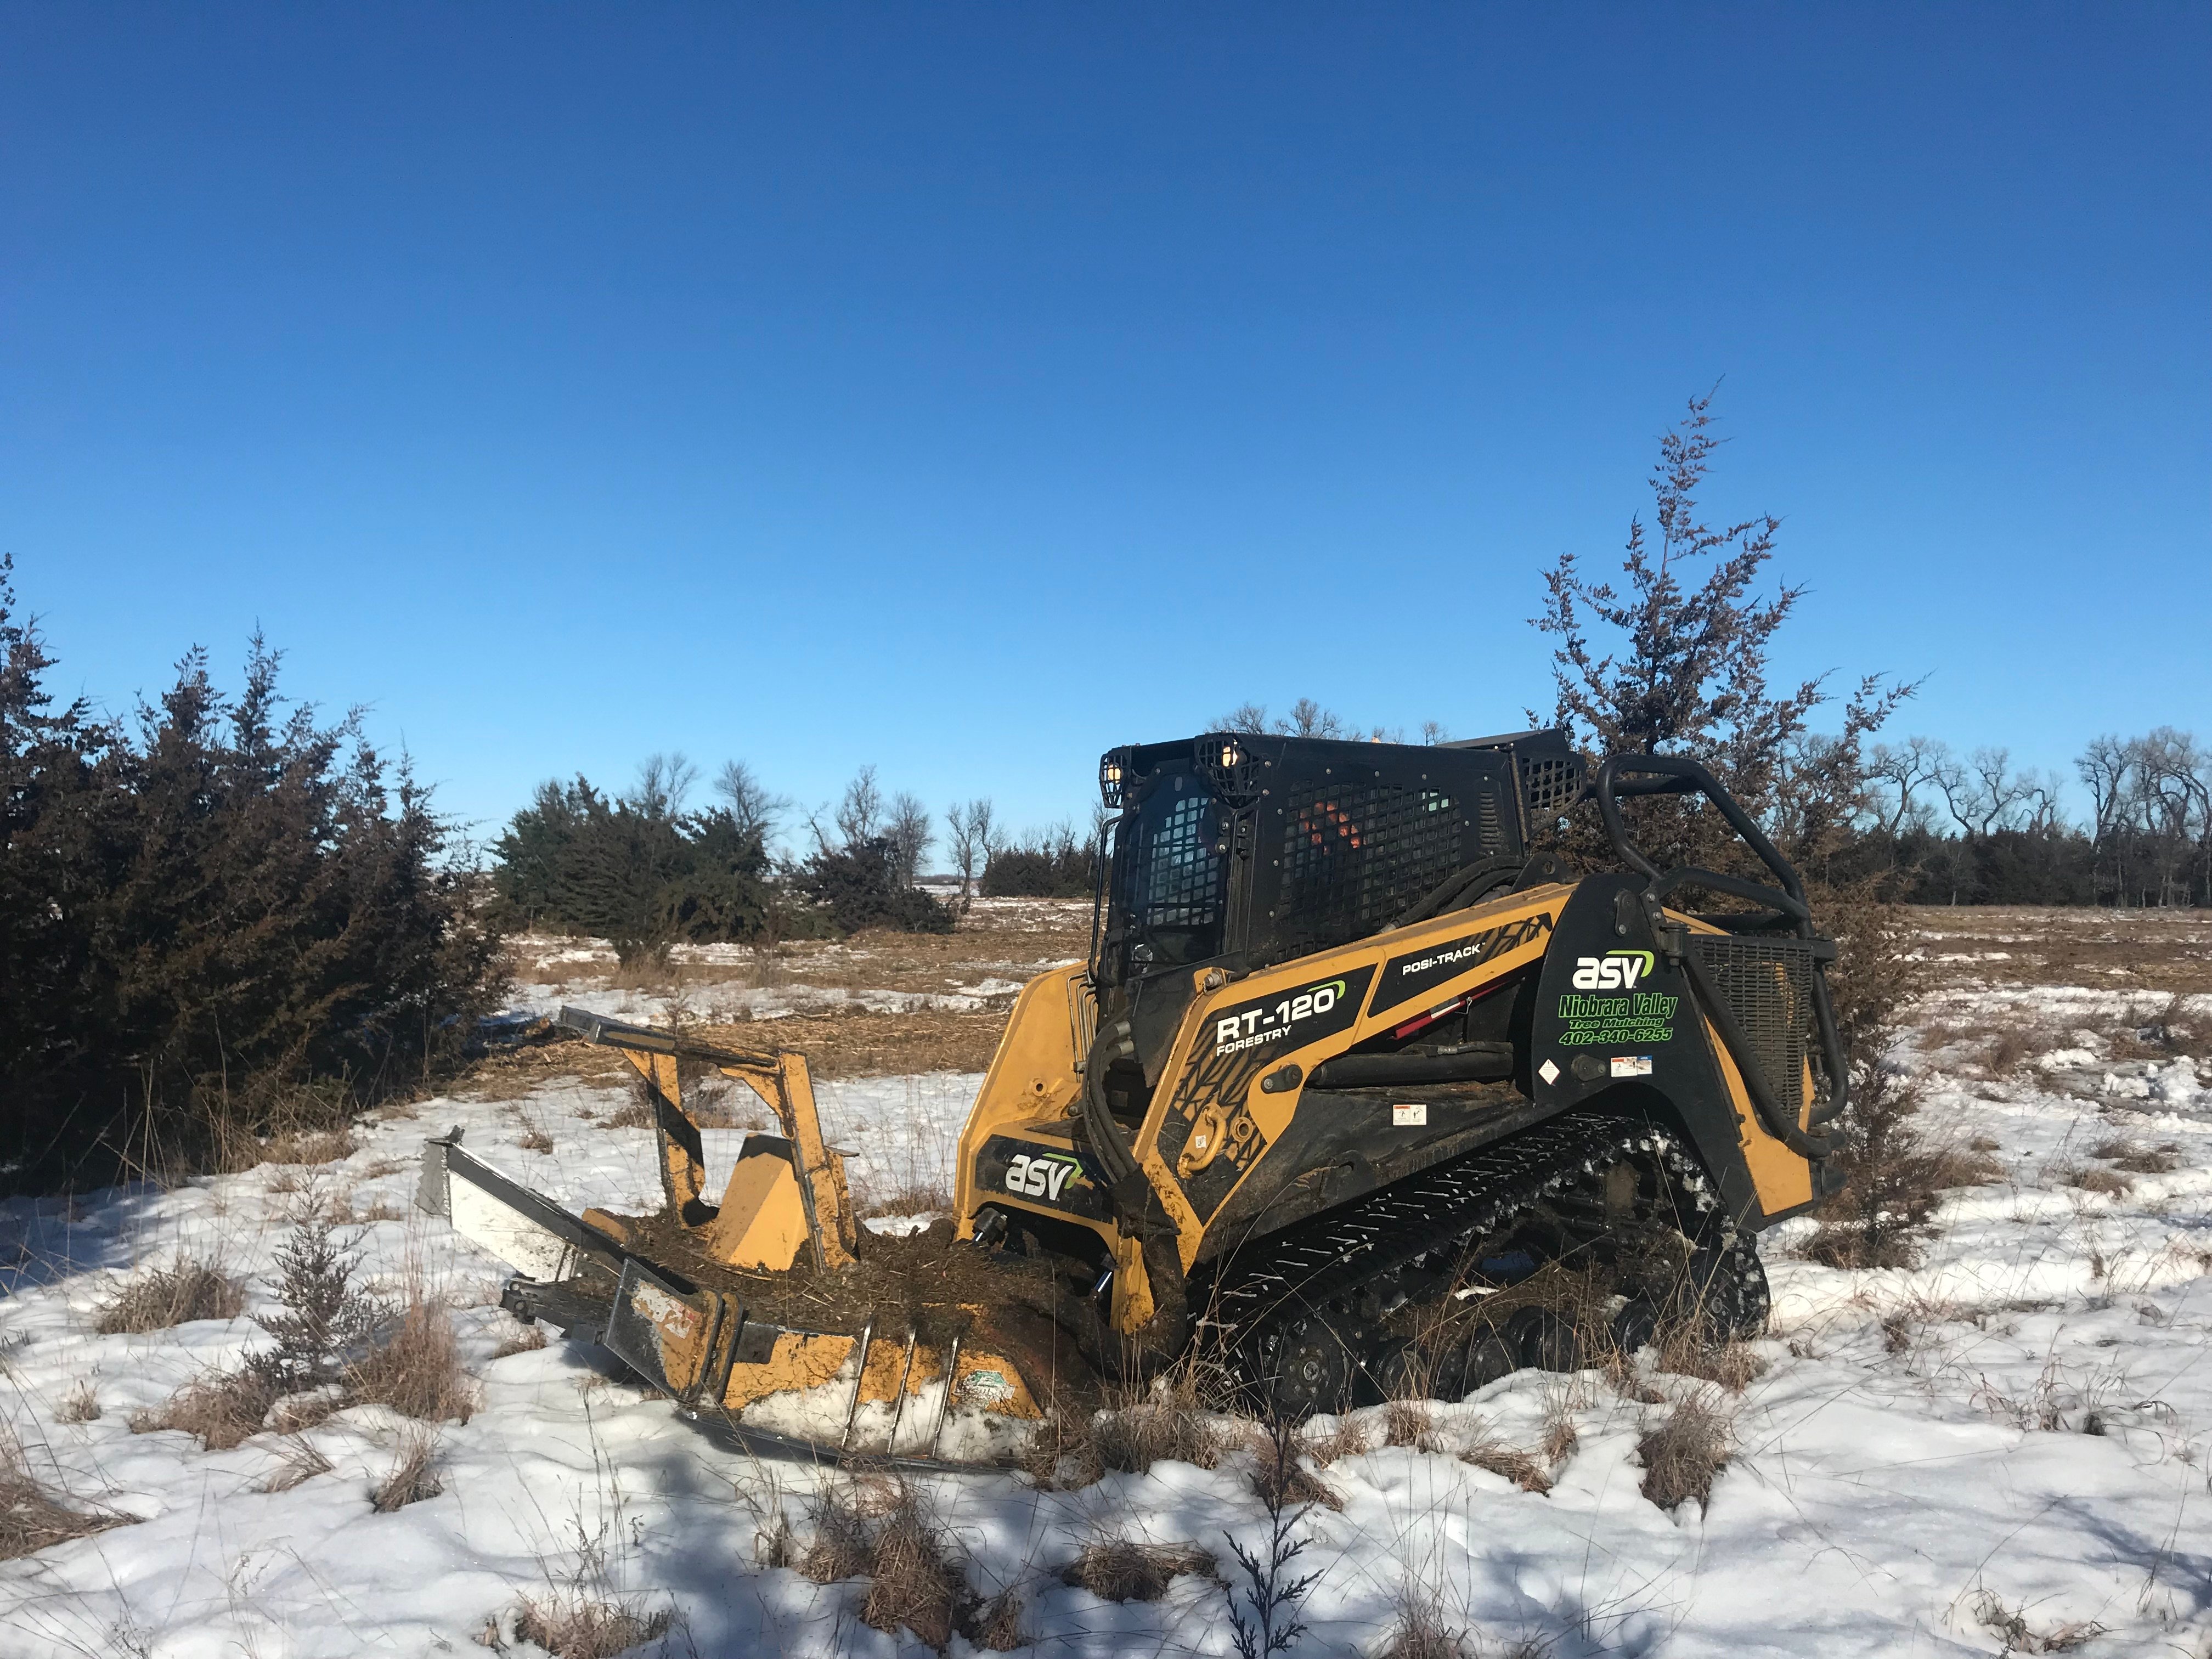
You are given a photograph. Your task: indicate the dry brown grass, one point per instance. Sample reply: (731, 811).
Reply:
(1168, 1422)
(308, 1146)
(2109, 1182)
(997, 1626)
(1683, 1454)
(1734, 1365)
(1419, 1632)
(915, 1578)
(417, 1370)
(885, 1531)
(1561, 1437)
(32, 1517)
(160, 1297)
(80, 1405)
(1409, 1423)
(1344, 1438)
(414, 1474)
(529, 1340)
(571, 1626)
(297, 1463)
(2137, 1159)
(1524, 1469)
(224, 1409)
(1127, 1569)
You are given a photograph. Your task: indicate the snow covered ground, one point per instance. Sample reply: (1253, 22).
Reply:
(2004, 1449)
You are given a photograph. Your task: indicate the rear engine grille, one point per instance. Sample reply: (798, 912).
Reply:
(1768, 985)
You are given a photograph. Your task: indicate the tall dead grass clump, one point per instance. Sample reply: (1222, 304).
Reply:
(1419, 1630)
(1170, 1421)
(417, 1369)
(222, 1409)
(1523, 1468)
(885, 1532)
(573, 1626)
(33, 1518)
(1683, 1454)
(915, 1577)
(414, 1472)
(158, 1298)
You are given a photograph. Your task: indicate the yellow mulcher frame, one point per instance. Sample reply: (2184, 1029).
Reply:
(783, 1194)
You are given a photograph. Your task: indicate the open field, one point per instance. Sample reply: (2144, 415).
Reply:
(2002, 1449)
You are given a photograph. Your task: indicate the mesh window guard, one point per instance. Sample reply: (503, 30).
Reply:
(1354, 858)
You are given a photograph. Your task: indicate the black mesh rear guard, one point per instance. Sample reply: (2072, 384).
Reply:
(1769, 986)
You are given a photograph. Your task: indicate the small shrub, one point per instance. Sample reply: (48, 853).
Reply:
(324, 1312)
(414, 1475)
(861, 886)
(1684, 1453)
(1125, 1570)
(31, 1518)
(178, 1294)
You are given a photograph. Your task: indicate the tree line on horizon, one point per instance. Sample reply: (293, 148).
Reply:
(224, 922)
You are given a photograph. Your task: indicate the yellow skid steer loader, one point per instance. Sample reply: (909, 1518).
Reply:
(1353, 1097)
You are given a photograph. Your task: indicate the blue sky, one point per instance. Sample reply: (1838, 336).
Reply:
(967, 389)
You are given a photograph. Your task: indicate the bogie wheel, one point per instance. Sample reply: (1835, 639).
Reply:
(1313, 1368)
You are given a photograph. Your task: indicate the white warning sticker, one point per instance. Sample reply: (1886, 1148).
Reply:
(1549, 1071)
(1415, 1116)
(1631, 1066)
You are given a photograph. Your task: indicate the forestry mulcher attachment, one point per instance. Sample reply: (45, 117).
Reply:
(1355, 1097)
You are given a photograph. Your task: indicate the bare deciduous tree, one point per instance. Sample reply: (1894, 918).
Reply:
(756, 811)
(973, 834)
(909, 835)
(859, 814)
(663, 782)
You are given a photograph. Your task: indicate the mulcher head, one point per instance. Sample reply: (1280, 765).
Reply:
(760, 1315)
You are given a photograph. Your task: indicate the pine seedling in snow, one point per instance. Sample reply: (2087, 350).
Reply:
(1268, 1622)
(325, 1314)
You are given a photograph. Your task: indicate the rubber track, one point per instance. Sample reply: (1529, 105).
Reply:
(1310, 1266)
